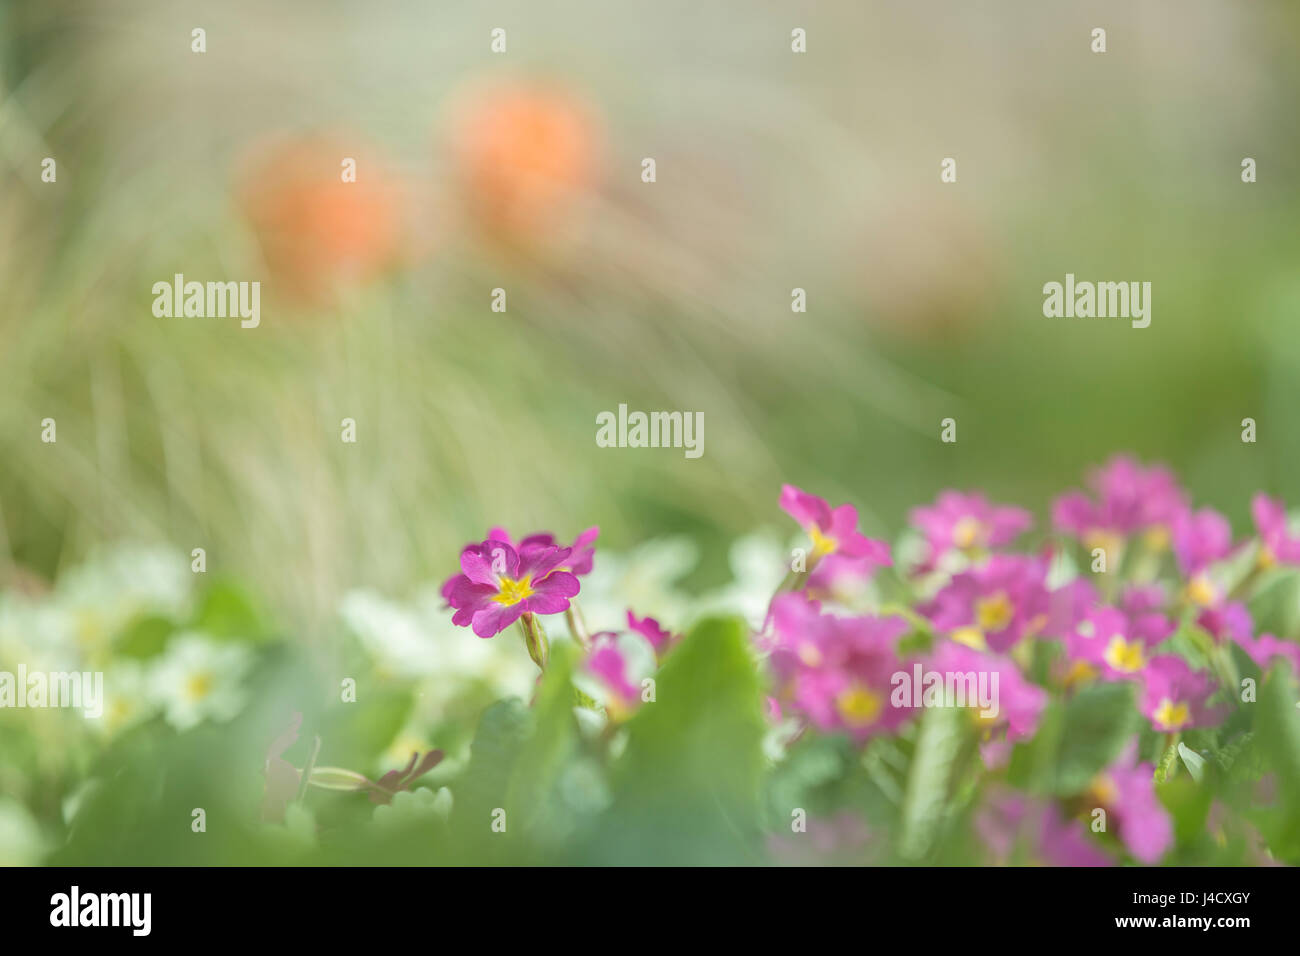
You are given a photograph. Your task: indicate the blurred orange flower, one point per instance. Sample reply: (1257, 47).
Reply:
(522, 154)
(316, 228)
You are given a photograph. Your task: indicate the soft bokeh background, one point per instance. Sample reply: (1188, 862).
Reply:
(522, 171)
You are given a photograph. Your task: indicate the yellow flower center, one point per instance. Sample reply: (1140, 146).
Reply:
(822, 544)
(1079, 672)
(858, 706)
(1156, 538)
(1108, 541)
(617, 710)
(199, 685)
(968, 532)
(1103, 790)
(1266, 558)
(1201, 591)
(90, 628)
(1124, 655)
(1171, 716)
(971, 637)
(120, 711)
(510, 591)
(995, 612)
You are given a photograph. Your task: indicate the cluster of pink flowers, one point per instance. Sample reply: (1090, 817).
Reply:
(835, 670)
(969, 605)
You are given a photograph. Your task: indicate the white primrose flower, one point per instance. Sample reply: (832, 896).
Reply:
(643, 579)
(127, 697)
(419, 642)
(198, 679)
(100, 598)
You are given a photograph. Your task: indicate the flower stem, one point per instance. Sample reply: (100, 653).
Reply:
(1167, 766)
(306, 771)
(539, 648)
(577, 626)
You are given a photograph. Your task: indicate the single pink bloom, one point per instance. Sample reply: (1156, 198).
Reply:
(1127, 498)
(833, 530)
(1109, 646)
(995, 604)
(497, 584)
(1200, 539)
(579, 561)
(969, 523)
(1174, 697)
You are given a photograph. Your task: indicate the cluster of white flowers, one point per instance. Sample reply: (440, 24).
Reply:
(74, 626)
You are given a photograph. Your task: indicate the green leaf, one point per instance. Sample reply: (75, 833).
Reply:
(1277, 734)
(229, 611)
(1227, 755)
(1275, 607)
(1076, 740)
(502, 732)
(1033, 762)
(1193, 643)
(354, 733)
(532, 801)
(1188, 804)
(1099, 721)
(685, 790)
(145, 638)
(1194, 762)
(816, 761)
(939, 744)
(1168, 765)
